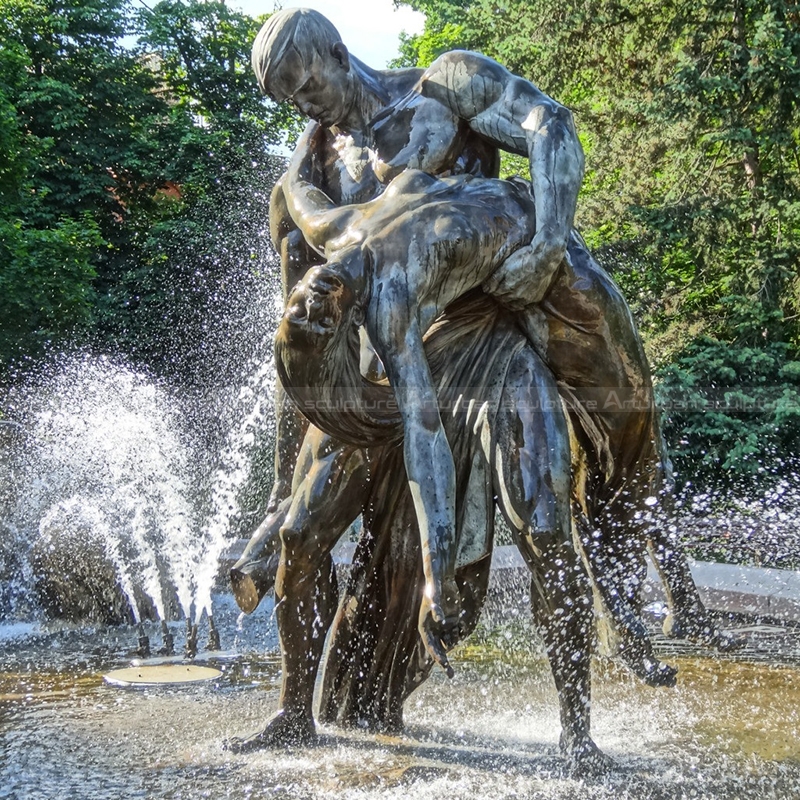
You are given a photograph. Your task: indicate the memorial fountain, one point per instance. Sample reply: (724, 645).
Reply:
(115, 514)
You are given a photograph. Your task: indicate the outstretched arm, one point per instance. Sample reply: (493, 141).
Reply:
(429, 467)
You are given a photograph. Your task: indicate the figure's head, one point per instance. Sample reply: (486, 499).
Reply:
(298, 56)
(317, 357)
(322, 308)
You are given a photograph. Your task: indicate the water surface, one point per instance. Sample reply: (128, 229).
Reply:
(728, 730)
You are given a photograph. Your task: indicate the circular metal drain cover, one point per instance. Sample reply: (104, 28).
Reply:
(160, 674)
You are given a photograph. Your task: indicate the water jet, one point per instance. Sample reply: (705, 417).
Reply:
(213, 635)
(168, 645)
(190, 650)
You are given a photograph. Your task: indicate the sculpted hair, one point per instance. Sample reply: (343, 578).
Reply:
(327, 386)
(301, 30)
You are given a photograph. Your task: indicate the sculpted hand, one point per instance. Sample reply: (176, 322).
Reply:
(525, 276)
(439, 622)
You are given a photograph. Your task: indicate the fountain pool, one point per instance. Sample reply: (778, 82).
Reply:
(101, 449)
(730, 729)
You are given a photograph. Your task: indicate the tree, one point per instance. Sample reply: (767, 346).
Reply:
(198, 255)
(119, 167)
(45, 284)
(732, 408)
(52, 198)
(86, 99)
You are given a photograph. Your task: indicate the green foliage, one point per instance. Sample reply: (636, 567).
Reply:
(45, 284)
(73, 109)
(202, 49)
(443, 31)
(732, 408)
(194, 252)
(84, 99)
(119, 168)
(688, 114)
(176, 305)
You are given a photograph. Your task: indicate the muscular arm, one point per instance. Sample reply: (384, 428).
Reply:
(474, 91)
(516, 116)
(299, 237)
(316, 215)
(393, 326)
(296, 258)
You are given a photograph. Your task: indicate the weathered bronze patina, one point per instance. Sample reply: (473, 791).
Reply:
(515, 377)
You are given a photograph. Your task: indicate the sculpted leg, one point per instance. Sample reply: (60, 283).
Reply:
(688, 617)
(562, 608)
(532, 476)
(305, 608)
(615, 552)
(323, 505)
(591, 344)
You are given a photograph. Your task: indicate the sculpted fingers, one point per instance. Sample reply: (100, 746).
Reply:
(508, 289)
(525, 276)
(439, 622)
(435, 647)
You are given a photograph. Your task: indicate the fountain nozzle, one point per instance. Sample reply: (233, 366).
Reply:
(191, 639)
(213, 635)
(143, 650)
(168, 648)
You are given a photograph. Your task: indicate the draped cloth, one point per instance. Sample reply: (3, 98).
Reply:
(376, 658)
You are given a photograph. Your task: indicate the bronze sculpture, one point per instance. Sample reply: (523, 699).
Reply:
(397, 262)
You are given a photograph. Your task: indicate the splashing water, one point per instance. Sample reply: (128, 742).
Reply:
(759, 529)
(233, 472)
(81, 514)
(103, 450)
(105, 456)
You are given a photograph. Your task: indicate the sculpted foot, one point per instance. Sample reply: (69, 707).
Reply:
(697, 627)
(252, 580)
(584, 758)
(649, 669)
(636, 650)
(281, 731)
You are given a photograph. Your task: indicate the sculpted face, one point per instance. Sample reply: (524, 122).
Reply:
(315, 309)
(319, 86)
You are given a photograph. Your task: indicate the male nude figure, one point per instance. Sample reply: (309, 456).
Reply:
(298, 57)
(452, 118)
(321, 83)
(523, 441)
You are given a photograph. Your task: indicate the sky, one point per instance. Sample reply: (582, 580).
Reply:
(369, 28)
